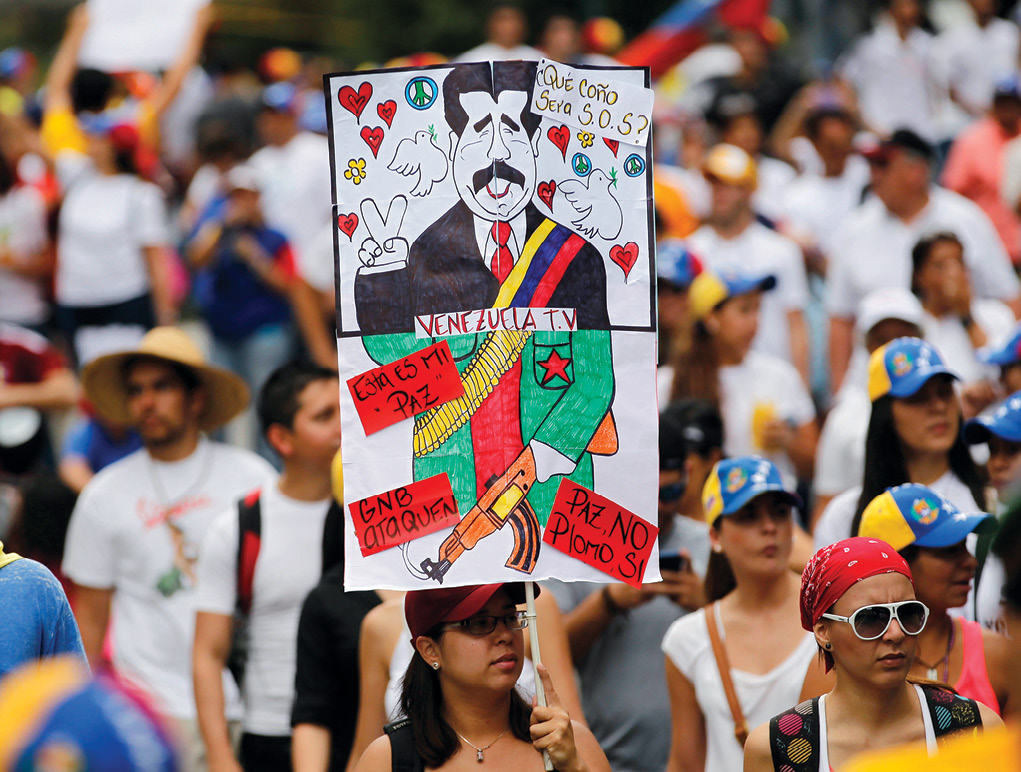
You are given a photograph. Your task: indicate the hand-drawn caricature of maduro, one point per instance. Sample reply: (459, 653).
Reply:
(536, 403)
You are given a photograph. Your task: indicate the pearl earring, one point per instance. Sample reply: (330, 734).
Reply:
(717, 548)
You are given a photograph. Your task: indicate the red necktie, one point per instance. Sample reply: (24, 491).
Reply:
(502, 261)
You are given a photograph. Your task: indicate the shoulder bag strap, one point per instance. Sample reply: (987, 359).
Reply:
(723, 665)
(794, 738)
(403, 757)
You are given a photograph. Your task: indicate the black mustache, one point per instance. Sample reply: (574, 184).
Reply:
(500, 169)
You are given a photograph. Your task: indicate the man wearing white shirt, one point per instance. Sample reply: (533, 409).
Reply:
(506, 29)
(299, 412)
(891, 70)
(133, 540)
(972, 57)
(733, 238)
(877, 238)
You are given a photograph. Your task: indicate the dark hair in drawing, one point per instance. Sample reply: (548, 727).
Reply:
(508, 76)
(422, 702)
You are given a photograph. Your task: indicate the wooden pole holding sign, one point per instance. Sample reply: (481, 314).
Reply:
(533, 637)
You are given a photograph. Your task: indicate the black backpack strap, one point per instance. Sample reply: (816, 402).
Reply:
(333, 536)
(403, 757)
(794, 738)
(951, 713)
(249, 542)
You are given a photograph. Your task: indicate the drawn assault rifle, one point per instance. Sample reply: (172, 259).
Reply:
(504, 503)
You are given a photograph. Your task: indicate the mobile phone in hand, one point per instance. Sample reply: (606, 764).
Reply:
(672, 561)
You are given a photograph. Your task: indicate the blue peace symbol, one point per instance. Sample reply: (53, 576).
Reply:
(634, 165)
(421, 92)
(581, 164)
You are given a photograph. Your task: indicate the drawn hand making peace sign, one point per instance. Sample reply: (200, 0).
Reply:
(384, 250)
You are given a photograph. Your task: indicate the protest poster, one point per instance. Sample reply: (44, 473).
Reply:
(126, 35)
(504, 211)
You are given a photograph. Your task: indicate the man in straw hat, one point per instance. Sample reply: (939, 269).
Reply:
(133, 539)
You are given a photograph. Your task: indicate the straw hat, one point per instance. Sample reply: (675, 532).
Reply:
(103, 378)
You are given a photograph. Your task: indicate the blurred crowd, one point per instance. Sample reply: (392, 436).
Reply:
(838, 247)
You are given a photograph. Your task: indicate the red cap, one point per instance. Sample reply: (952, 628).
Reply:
(424, 609)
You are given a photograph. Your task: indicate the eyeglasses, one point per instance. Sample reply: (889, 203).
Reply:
(871, 622)
(484, 625)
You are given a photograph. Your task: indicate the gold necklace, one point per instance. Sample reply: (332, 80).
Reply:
(478, 750)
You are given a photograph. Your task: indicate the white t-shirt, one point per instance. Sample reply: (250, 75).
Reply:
(288, 567)
(105, 221)
(875, 250)
(814, 207)
(971, 59)
(761, 250)
(894, 79)
(991, 608)
(773, 176)
(762, 379)
(491, 52)
(296, 188)
(118, 538)
(950, 338)
(687, 645)
(835, 521)
(840, 456)
(23, 232)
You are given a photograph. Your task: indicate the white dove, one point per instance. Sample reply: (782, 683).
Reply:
(598, 212)
(420, 157)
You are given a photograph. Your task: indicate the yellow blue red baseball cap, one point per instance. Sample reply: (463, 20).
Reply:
(1003, 422)
(914, 514)
(903, 366)
(711, 288)
(55, 716)
(1007, 353)
(675, 263)
(734, 482)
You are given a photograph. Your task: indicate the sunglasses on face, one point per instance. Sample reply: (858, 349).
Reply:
(871, 622)
(484, 624)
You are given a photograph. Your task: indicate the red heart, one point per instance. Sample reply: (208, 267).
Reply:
(373, 138)
(348, 223)
(386, 110)
(546, 191)
(354, 102)
(561, 137)
(625, 256)
(613, 144)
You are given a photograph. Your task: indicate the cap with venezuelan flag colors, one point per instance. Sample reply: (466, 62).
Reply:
(734, 482)
(709, 289)
(1004, 422)
(903, 366)
(914, 514)
(54, 716)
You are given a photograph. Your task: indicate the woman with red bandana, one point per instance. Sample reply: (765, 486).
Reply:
(858, 600)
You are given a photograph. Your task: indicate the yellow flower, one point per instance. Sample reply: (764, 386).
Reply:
(586, 137)
(355, 170)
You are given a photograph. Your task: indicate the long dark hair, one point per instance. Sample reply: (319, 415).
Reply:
(696, 369)
(719, 577)
(422, 702)
(886, 467)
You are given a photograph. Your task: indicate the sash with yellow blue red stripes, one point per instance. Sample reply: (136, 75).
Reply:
(531, 283)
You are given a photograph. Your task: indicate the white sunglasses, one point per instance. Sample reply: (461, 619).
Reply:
(871, 622)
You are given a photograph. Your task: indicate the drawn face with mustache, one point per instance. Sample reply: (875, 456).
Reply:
(494, 160)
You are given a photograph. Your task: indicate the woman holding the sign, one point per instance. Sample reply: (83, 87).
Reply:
(744, 657)
(459, 692)
(386, 650)
(858, 601)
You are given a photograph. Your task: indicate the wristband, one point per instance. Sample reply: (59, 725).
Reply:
(610, 604)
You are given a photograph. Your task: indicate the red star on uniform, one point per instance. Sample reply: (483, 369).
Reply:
(555, 365)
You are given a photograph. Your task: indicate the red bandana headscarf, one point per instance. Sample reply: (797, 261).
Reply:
(834, 569)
